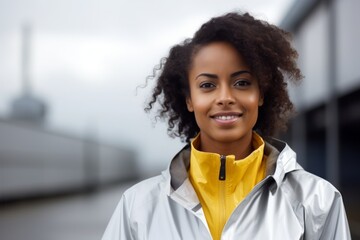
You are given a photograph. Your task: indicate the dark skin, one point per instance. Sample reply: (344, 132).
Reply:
(224, 97)
(266, 49)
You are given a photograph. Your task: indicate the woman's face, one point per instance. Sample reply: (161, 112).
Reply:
(224, 94)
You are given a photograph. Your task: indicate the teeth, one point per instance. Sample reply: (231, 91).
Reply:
(225, 117)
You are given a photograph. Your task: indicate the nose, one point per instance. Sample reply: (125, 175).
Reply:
(225, 96)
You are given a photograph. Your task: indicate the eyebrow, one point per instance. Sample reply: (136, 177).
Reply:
(235, 74)
(209, 75)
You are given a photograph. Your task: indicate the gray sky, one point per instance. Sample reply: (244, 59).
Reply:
(88, 57)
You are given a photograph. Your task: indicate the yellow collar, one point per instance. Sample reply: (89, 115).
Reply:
(208, 164)
(220, 197)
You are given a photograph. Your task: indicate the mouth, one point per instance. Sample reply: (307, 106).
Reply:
(226, 117)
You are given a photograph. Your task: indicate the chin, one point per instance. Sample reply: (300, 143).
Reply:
(231, 137)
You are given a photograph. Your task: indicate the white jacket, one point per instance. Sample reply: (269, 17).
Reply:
(289, 203)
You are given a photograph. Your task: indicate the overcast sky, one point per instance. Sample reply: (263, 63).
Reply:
(88, 57)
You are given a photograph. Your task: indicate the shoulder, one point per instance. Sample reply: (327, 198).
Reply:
(307, 187)
(133, 206)
(314, 195)
(145, 192)
(146, 186)
(308, 184)
(318, 204)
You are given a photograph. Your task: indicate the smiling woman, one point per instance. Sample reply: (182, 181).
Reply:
(224, 97)
(225, 93)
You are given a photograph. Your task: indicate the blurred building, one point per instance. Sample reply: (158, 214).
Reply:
(37, 162)
(27, 107)
(326, 131)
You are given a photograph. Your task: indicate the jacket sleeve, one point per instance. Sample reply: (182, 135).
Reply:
(336, 225)
(119, 228)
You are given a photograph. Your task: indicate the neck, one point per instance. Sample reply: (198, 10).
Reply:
(240, 148)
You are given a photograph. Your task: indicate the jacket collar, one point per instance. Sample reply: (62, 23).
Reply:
(281, 159)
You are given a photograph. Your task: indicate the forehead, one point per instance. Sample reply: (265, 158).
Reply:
(218, 55)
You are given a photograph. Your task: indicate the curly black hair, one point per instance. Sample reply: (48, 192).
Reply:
(266, 49)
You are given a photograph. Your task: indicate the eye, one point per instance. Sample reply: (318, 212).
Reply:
(242, 83)
(207, 85)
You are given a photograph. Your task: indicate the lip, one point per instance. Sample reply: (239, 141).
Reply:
(225, 118)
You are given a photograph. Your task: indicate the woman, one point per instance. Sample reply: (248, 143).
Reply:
(225, 93)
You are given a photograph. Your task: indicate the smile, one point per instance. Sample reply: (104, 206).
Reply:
(226, 117)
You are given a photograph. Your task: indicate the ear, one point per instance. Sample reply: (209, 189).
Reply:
(261, 101)
(189, 104)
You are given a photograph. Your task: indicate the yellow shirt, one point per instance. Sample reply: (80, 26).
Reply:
(220, 197)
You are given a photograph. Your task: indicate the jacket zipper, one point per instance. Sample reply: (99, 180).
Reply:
(222, 173)
(222, 193)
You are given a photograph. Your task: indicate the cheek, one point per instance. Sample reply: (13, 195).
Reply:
(251, 101)
(200, 104)
(252, 108)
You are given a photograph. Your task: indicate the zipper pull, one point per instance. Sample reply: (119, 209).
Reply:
(222, 174)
